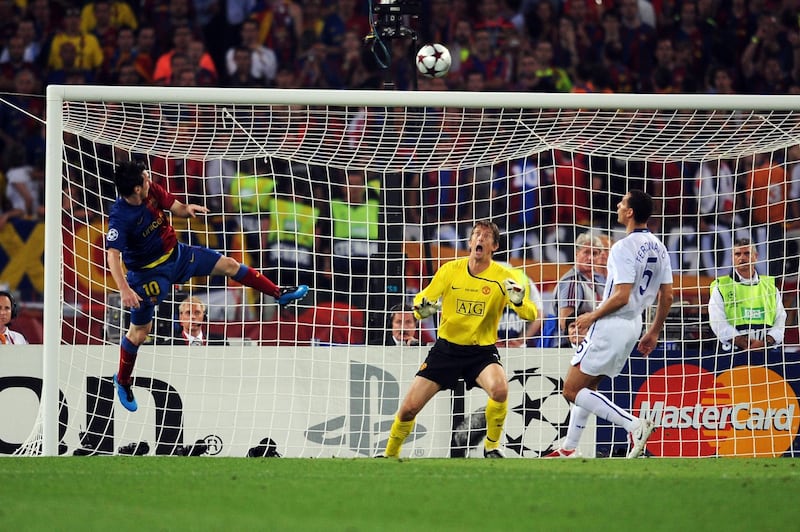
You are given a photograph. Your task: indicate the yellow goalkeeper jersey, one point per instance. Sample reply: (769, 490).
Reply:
(472, 305)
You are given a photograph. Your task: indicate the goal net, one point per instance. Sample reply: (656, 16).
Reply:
(362, 195)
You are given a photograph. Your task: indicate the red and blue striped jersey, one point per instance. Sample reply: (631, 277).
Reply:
(142, 233)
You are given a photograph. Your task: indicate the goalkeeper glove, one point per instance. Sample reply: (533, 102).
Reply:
(515, 291)
(426, 308)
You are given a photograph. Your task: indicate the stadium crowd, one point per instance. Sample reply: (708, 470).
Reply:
(624, 46)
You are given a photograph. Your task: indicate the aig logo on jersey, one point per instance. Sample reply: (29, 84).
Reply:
(470, 308)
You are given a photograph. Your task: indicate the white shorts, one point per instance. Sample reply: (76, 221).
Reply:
(607, 346)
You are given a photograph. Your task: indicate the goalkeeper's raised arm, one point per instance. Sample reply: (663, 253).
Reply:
(472, 293)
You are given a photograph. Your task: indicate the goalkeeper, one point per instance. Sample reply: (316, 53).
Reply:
(140, 234)
(474, 291)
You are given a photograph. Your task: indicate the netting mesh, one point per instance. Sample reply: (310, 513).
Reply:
(363, 203)
(419, 139)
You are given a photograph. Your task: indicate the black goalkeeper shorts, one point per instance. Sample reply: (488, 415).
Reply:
(447, 362)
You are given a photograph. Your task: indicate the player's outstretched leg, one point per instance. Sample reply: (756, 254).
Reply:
(290, 294)
(125, 394)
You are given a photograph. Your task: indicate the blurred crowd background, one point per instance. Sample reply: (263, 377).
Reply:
(624, 46)
(686, 46)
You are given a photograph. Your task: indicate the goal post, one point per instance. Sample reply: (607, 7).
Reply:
(279, 170)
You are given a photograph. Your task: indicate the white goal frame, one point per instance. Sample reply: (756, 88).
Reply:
(58, 96)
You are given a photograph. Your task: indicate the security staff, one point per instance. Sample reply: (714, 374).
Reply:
(745, 309)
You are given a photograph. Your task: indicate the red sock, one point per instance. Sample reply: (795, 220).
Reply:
(127, 359)
(254, 279)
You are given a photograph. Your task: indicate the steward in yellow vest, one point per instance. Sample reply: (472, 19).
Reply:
(745, 309)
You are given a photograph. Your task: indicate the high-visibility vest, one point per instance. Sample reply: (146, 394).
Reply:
(748, 304)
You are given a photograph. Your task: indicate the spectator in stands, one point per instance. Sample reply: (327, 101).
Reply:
(104, 28)
(566, 175)
(437, 26)
(528, 76)
(314, 69)
(404, 326)
(492, 19)
(542, 22)
(313, 20)
(168, 16)
(586, 26)
(354, 236)
(8, 311)
(31, 47)
(460, 46)
(521, 206)
(578, 291)
(671, 192)
(242, 74)
(695, 33)
(745, 309)
(344, 16)
(12, 62)
(279, 16)
(638, 41)
(766, 58)
(356, 67)
(155, 261)
(248, 196)
(193, 320)
(85, 52)
(24, 185)
(766, 194)
(181, 40)
(236, 12)
(200, 61)
(666, 77)
(482, 58)
(565, 50)
(263, 61)
(474, 291)
(146, 50)
(293, 232)
(715, 196)
(123, 54)
(178, 62)
(720, 80)
(548, 71)
(70, 68)
(110, 12)
(46, 27)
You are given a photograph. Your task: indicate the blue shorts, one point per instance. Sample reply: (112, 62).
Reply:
(155, 284)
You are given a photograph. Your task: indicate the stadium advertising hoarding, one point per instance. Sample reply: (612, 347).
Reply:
(312, 401)
(334, 401)
(717, 404)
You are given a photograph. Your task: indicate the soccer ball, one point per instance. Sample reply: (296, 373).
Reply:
(433, 60)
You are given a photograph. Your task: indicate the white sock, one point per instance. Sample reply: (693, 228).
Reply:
(578, 417)
(597, 404)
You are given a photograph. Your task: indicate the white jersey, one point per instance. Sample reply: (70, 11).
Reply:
(639, 259)
(9, 337)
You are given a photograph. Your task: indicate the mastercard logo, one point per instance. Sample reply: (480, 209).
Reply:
(745, 411)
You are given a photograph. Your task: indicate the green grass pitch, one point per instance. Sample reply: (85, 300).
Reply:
(199, 493)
